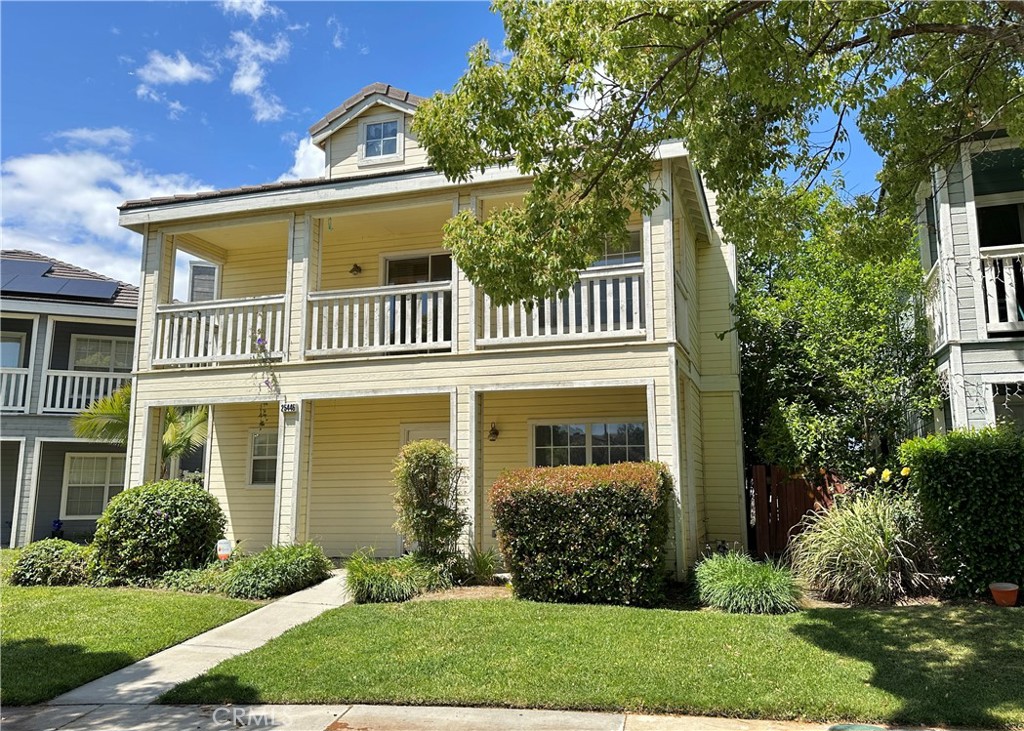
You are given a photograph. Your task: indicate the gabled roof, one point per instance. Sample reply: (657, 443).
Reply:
(385, 93)
(124, 294)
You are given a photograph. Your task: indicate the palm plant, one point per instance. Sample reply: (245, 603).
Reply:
(107, 420)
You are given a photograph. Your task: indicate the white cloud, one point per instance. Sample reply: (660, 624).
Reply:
(174, 107)
(255, 9)
(364, 50)
(339, 32)
(309, 162)
(250, 56)
(117, 137)
(161, 69)
(115, 30)
(64, 204)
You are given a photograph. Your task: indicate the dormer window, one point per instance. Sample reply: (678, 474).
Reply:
(381, 141)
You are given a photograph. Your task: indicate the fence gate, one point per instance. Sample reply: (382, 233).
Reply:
(781, 498)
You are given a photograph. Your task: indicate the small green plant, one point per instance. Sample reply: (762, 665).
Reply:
(735, 583)
(478, 568)
(392, 580)
(207, 580)
(277, 571)
(427, 501)
(868, 548)
(52, 562)
(154, 528)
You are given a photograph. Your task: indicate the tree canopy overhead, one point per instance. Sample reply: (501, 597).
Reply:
(754, 87)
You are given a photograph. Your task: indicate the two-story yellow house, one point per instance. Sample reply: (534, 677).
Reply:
(340, 328)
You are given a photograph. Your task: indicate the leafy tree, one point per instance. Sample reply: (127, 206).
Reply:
(834, 352)
(752, 86)
(107, 420)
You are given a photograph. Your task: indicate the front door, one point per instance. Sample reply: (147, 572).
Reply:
(414, 432)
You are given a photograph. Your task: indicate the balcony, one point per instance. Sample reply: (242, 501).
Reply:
(1003, 288)
(606, 303)
(68, 392)
(382, 320)
(219, 331)
(14, 390)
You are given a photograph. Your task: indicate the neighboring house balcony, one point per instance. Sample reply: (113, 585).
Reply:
(1003, 288)
(14, 383)
(68, 392)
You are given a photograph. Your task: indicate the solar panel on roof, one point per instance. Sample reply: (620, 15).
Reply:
(14, 267)
(88, 289)
(28, 284)
(27, 278)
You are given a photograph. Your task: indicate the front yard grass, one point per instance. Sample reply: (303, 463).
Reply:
(57, 638)
(956, 665)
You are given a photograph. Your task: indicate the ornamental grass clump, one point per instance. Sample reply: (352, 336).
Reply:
(735, 583)
(584, 534)
(391, 580)
(868, 548)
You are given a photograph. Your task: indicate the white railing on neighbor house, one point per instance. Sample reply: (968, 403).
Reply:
(219, 331)
(935, 310)
(1003, 286)
(14, 389)
(68, 392)
(605, 303)
(389, 319)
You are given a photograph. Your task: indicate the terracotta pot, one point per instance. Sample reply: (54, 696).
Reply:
(1004, 593)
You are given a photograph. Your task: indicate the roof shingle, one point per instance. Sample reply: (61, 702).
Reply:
(377, 87)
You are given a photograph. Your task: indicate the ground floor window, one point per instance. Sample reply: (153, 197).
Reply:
(1008, 400)
(589, 443)
(263, 457)
(90, 480)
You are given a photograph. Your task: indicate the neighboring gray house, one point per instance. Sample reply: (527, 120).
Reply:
(67, 339)
(972, 244)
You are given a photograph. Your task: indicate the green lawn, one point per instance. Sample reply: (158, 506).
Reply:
(57, 638)
(958, 665)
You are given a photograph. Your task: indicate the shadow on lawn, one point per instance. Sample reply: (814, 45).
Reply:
(950, 665)
(212, 687)
(34, 670)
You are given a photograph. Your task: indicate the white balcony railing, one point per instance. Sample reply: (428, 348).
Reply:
(14, 389)
(605, 303)
(68, 392)
(390, 319)
(935, 310)
(1003, 285)
(219, 331)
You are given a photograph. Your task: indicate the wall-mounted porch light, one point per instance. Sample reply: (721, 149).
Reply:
(356, 270)
(492, 435)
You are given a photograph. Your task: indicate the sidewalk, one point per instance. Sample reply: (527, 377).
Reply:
(364, 718)
(148, 679)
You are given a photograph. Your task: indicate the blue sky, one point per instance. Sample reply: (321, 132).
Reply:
(103, 101)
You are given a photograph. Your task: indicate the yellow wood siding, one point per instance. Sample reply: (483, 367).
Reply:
(723, 478)
(355, 442)
(717, 356)
(343, 146)
(253, 272)
(511, 412)
(250, 510)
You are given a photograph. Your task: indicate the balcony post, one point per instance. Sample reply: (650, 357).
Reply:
(303, 278)
(154, 289)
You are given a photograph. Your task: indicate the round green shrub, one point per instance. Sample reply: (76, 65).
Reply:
(157, 527)
(277, 571)
(733, 582)
(52, 562)
(867, 549)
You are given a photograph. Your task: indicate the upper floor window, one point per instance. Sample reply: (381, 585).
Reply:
(92, 353)
(931, 221)
(420, 269)
(381, 141)
(1000, 225)
(202, 281)
(629, 251)
(12, 349)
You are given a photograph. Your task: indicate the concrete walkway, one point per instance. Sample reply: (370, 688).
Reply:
(365, 718)
(148, 679)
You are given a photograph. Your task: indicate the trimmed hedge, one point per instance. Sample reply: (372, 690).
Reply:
(735, 583)
(52, 562)
(971, 488)
(277, 571)
(584, 534)
(154, 528)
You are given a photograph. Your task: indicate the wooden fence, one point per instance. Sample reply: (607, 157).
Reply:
(781, 499)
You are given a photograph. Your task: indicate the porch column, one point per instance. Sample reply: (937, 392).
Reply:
(664, 446)
(292, 455)
(465, 438)
(144, 444)
(303, 278)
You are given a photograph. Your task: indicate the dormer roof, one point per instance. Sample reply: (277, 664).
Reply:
(368, 96)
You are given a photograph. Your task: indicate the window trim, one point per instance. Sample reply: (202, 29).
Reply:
(588, 421)
(76, 337)
(252, 458)
(68, 456)
(631, 229)
(399, 156)
(428, 254)
(216, 277)
(22, 338)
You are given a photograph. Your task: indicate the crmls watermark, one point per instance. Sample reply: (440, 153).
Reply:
(249, 717)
